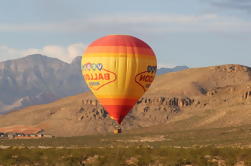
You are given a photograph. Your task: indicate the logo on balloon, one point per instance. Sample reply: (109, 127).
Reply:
(151, 69)
(144, 79)
(96, 76)
(92, 66)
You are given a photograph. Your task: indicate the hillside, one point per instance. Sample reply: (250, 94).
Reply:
(37, 79)
(197, 98)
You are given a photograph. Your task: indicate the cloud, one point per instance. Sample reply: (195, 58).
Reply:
(244, 5)
(139, 23)
(8, 53)
(166, 66)
(153, 18)
(66, 54)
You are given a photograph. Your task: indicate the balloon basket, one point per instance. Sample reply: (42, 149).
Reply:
(117, 131)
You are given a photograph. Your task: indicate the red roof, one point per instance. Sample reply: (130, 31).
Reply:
(20, 129)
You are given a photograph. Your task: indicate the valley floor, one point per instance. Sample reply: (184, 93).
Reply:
(223, 147)
(139, 155)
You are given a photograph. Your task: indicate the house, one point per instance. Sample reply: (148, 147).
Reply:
(21, 132)
(2, 135)
(11, 135)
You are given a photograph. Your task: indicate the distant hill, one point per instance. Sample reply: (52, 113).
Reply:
(196, 98)
(38, 79)
(164, 70)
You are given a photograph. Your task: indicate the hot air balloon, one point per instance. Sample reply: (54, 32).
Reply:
(118, 69)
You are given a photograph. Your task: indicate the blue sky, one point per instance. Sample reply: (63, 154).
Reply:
(181, 32)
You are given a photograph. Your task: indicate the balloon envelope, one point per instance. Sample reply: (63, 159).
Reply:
(118, 69)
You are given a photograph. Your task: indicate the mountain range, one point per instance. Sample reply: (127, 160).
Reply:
(38, 79)
(195, 98)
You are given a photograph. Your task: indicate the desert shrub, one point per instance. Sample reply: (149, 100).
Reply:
(119, 155)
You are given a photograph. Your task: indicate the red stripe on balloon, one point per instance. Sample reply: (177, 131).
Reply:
(117, 101)
(118, 112)
(120, 40)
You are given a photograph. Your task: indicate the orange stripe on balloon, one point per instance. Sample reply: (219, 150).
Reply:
(125, 96)
(119, 55)
(119, 50)
(120, 101)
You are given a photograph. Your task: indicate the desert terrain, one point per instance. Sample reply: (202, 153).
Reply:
(196, 98)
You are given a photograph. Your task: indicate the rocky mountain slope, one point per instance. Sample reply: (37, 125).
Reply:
(38, 79)
(198, 98)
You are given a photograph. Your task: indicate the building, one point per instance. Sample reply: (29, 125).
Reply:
(21, 132)
(2, 135)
